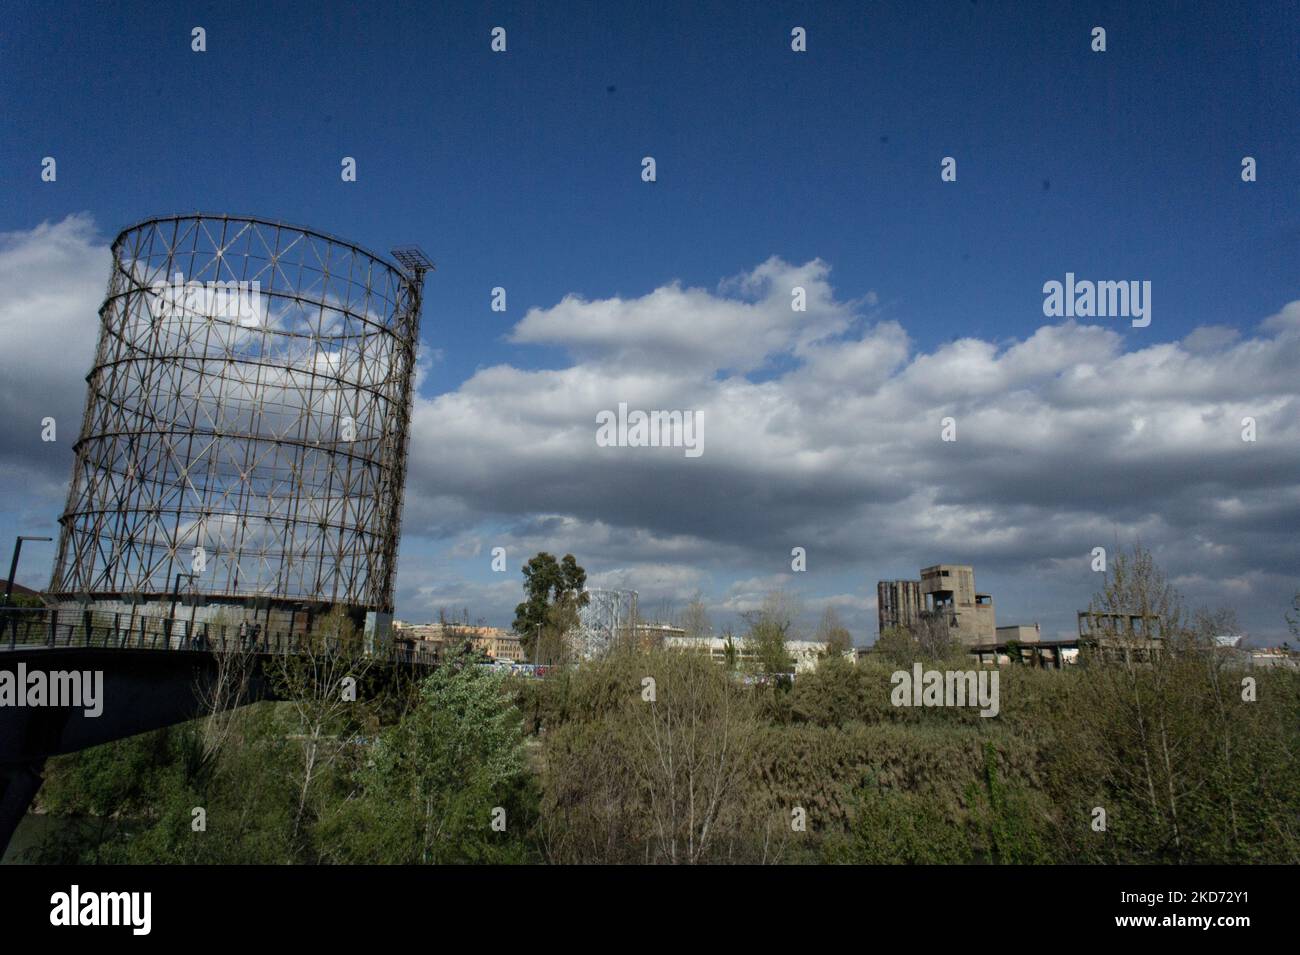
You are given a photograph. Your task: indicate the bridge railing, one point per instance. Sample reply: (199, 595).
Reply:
(55, 627)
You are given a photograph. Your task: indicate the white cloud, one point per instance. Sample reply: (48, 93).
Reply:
(693, 329)
(1063, 437)
(822, 430)
(53, 278)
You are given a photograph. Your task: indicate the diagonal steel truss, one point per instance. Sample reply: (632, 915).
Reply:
(269, 430)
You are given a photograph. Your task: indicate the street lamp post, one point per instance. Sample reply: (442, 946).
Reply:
(13, 565)
(9, 584)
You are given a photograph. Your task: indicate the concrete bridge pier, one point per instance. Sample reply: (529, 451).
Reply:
(141, 690)
(18, 787)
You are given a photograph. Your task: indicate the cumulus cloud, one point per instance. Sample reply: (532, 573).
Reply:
(821, 430)
(747, 321)
(1071, 437)
(53, 278)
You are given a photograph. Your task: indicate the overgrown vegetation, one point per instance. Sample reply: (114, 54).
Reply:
(664, 756)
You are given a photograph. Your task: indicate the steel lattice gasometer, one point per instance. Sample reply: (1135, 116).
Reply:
(246, 419)
(608, 615)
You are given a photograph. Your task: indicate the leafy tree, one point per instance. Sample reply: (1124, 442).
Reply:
(552, 588)
(835, 693)
(553, 641)
(769, 629)
(896, 645)
(133, 800)
(700, 766)
(106, 779)
(246, 792)
(435, 783)
(1163, 738)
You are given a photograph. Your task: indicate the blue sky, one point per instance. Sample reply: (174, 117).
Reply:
(523, 170)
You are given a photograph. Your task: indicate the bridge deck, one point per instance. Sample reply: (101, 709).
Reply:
(53, 629)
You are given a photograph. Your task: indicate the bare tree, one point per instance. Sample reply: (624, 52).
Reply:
(1141, 733)
(695, 617)
(934, 637)
(322, 681)
(695, 754)
(667, 612)
(832, 632)
(657, 762)
(223, 689)
(1207, 625)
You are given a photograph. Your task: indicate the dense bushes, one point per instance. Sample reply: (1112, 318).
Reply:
(1183, 767)
(667, 757)
(656, 762)
(310, 782)
(1186, 769)
(434, 783)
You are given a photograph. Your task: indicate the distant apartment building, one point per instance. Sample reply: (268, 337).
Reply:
(946, 593)
(1272, 657)
(716, 647)
(500, 645)
(437, 637)
(1232, 648)
(647, 636)
(805, 654)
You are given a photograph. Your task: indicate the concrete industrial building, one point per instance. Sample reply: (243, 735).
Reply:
(945, 592)
(1019, 633)
(899, 604)
(1129, 635)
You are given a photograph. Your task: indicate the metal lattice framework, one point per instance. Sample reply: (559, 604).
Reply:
(608, 615)
(246, 418)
